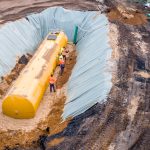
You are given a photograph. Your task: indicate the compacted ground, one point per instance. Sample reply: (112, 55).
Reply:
(12, 10)
(121, 123)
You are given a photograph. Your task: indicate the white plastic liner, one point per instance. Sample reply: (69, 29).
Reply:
(90, 81)
(16, 38)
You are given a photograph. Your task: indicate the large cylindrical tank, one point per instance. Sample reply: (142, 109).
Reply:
(23, 98)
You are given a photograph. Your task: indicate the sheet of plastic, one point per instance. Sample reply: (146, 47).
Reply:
(16, 38)
(90, 81)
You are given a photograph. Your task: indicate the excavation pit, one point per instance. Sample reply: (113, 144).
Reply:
(90, 79)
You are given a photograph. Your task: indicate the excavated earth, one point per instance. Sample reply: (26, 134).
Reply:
(121, 123)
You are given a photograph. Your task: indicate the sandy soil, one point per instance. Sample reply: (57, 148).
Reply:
(126, 14)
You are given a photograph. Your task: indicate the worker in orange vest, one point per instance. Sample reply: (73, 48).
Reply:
(60, 56)
(52, 81)
(62, 66)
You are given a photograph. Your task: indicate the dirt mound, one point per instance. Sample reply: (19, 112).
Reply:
(132, 17)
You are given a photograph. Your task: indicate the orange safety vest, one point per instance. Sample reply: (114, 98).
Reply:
(61, 62)
(52, 80)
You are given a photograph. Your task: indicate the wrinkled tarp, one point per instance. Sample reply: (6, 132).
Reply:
(90, 81)
(16, 38)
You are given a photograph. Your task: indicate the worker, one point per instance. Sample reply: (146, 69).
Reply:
(52, 81)
(64, 53)
(62, 65)
(60, 56)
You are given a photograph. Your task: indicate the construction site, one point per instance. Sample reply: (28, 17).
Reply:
(74, 75)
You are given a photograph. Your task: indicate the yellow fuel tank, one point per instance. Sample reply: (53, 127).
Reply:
(23, 98)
